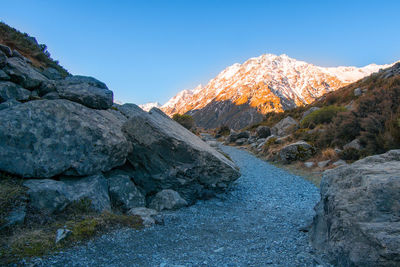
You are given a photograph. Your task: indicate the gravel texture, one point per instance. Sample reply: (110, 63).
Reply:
(257, 223)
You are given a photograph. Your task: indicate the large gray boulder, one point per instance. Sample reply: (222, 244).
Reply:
(168, 156)
(51, 196)
(296, 151)
(167, 199)
(24, 74)
(85, 90)
(45, 138)
(235, 136)
(6, 50)
(357, 221)
(285, 127)
(124, 194)
(9, 90)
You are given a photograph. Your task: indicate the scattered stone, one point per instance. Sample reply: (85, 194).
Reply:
(123, 193)
(323, 164)
(353, 144)
(296, 151)
(52, 137)
(85, 90)
(147, 215)
(309, 164)
(167, 199)
(62, 234)
(263, 132)
(285, 127)
(357, 219)
(357, 92)
(9, 90)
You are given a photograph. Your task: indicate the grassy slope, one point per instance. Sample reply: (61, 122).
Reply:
(29, 48)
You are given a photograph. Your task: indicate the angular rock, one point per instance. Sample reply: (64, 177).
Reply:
(62, 234)
(124, 194)
(3, 59)
(51, 196)
(357, 92)
(263, 132)
(167, 199)
(6, 50)
(4, 76)
(52, 137)
(357, 221)
(52, 74)
(353, 144)
(309, 164)
(147, 215)
(51, 96)
(168, 156)
(9, 90)
(296, 151)
(24, 74)
(285, 127)
(85, 90)
(9, 103)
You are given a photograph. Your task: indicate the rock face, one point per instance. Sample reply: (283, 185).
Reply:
(52, 137)
(167, 200)
(285, 126)
(53, 196)
(357, 219)
(9, 90)
(167, 156)
(296, 151)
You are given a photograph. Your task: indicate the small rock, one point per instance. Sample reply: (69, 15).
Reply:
(353, 144)
(16, 217)
(241, 141)
(309, 164)
(147, 215)
(263, 132)
(167, 199)
(62, 234)
(324, 163)
(357, 92)
(339, 163)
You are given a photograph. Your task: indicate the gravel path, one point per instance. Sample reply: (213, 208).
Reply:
(255, 224)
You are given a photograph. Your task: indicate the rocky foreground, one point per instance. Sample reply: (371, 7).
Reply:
(71, 143)
(261, 221)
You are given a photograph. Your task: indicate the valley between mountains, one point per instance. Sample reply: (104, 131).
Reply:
(86, 181)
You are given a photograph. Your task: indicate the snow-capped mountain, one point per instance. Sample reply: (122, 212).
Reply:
(260, 85)
(150, 105)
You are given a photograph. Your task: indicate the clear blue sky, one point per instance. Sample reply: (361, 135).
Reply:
(149, 50)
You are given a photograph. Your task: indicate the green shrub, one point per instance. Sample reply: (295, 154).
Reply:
(184, 120)
(321, 116)
(350, 154)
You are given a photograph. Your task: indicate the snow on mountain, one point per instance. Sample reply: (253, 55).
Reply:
(268, 83)
(148, 106)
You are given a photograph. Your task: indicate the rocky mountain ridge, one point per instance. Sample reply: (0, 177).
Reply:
(242, 93)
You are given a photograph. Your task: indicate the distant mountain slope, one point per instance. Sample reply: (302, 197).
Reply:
(242, 93)
(148, 106)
